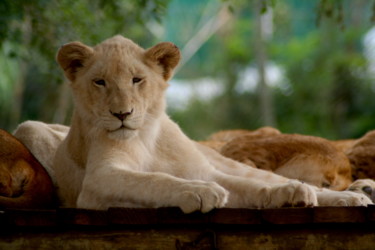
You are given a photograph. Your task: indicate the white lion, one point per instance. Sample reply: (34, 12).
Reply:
(123, 150)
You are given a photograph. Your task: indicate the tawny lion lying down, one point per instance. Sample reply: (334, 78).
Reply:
(123, 150)
(24, 183)
(324, 163)
(307, 158)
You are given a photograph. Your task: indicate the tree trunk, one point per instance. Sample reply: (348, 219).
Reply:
(19, 85)
(266, 106)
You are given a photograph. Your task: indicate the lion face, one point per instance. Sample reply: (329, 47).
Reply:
(117, 86)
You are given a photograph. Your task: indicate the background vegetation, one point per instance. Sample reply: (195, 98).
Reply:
(302, 66)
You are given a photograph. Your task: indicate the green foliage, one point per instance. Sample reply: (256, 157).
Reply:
(326, 72)
(32, 31)
(54, 22)
(8, 73)
(326, 90)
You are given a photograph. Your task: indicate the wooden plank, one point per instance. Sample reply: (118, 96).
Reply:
(170, 216)
(288, 215)
(162, 239)
(370, 213)
(132, 216)
(314, 236)
(174, 216)
(236, 216)
(73, 216)
(35, 218)
(164, 216)
(340, 214)
(168, 228)
(3, 217)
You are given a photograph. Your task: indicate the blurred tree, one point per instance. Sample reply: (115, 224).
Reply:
(325, 90)
(35, 29)
(326, 78)
(263, 25)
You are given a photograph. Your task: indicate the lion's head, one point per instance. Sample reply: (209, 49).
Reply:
(118, 86)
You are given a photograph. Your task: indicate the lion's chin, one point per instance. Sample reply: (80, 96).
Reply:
(122, 134)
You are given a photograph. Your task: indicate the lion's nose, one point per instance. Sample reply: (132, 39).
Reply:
(122, 115)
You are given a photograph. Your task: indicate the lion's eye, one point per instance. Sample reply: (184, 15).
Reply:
(99, 82)
(136, 79)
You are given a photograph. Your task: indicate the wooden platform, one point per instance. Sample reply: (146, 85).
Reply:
(169, 228)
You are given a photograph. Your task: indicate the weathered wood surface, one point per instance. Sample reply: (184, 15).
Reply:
(169, 228)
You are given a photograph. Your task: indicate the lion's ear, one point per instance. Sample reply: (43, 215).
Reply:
(72, 57)
(165, 54)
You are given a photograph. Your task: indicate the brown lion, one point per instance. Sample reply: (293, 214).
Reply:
(320, 162)
(24, 183)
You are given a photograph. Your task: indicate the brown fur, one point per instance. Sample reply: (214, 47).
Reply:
(310, 159)
(362, 156)
(216, 145)
(228, 135)
(344, 145)
(24, 183)
(217, 140)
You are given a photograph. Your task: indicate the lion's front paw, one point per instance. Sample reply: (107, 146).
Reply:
(343, 198)
(203, 196)
(293, 193)
(364, 186)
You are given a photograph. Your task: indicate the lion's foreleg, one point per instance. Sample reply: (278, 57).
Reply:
(145, 189)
